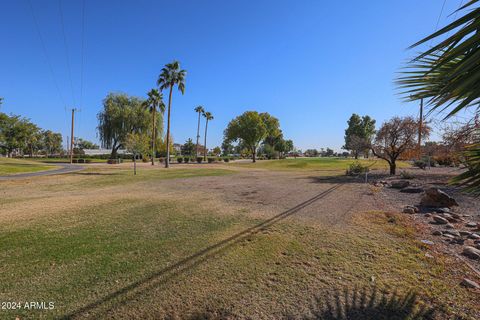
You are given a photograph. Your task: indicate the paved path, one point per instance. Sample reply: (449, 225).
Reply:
(64, 168)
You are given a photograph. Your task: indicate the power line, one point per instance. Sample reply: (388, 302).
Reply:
(46, 53)
(82, 54)
(66, 51)
(438, 21)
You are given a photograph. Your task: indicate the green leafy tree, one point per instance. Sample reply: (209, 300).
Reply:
(248, 129)
(154, 104)
(200, 110)
(137, 144)
(288, 146)
(120, 116)
(227, 148)
(208, 117)
(217, 151)
(188, 148)
(52, 142)
(171, 75)
(358, 134)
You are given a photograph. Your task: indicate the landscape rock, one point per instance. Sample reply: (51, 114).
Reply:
(437, 233)
(470, 284)
(474, 236)
(471, 224)
(434, 197)
(464, 233)
(412, 190)
(456, 216)
(449, 226)
(408, 210)
(471, 252)
(427, 242)
(443, 210)
(439, 220)
(454, 233)
(399, 184)
(428, 215)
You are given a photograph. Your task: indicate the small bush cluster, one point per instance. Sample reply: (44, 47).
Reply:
(420, 164)
(406, 175)
(179, 159)
(211, 160)
(199, 159)
(186, 159)
(356, 168)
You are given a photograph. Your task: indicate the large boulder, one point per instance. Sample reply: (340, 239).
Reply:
(434, 197)
(399, 184)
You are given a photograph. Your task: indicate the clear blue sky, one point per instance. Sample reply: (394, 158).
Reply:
(310, 63)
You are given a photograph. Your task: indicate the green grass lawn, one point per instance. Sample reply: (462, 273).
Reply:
(114, 259)
(317, 164)
(10, 166)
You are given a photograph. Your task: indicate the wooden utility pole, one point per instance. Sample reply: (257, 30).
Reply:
(420, 127)
(71, 136)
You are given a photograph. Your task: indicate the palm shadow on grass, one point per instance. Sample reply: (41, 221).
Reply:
(366, 304)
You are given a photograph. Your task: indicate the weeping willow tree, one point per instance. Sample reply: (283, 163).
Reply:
(447, 76)
(121, 115)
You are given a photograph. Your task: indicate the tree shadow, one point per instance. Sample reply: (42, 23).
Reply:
(96, 173)
(343, 179)
(367, 304)
(137, 288)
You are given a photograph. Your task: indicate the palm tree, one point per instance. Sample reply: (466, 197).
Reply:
(200, 111)
(170, 76)
(447, 76)
(208, 116)
(154, 102)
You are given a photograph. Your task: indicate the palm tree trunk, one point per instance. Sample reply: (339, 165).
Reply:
(167, 160)
(198, 134)
(205, 146)
(153, 135)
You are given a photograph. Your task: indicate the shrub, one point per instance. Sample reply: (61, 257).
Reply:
(226, 160)
(186, 159)
(211, 160)
(420, 164)
(179, 159)
(199, 159)
(145, 159)
(447, 161)
(406, 175)
(88, 160)
(356, 168)
(74, 160)
(114, 161)
(161, 160)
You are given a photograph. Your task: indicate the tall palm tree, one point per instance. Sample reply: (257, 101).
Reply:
(200, 111)
(154, 102)
(171, 76)
(208, 116)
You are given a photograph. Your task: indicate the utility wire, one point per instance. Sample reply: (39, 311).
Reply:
(438, 21)
(66, 51)
(82, 54)
(37, 28)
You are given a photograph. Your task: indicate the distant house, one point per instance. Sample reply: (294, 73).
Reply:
(99, 152)
(177, 147)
